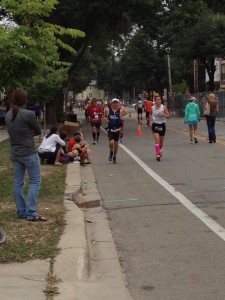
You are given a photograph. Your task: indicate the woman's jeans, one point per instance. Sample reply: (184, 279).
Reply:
(211, 120)
(31, 164)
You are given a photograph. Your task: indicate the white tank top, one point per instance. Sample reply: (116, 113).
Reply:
(139, 104)
(155, 114)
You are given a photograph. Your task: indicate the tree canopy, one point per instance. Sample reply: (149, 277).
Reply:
(120, 43)
(29, 54)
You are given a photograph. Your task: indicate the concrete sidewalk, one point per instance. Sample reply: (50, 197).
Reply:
(87, 266)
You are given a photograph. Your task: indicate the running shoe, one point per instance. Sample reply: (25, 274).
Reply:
(158, 157)
(196, 141)
(191, 142)
(94, 142)
(114, 159)
(110, 156)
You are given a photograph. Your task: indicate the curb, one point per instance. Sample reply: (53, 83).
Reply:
(71, 264)
(87, 266)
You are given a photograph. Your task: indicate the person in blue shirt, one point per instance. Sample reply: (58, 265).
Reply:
(192, 116)
(112, 117)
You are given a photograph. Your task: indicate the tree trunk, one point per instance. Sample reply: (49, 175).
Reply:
(54, 109)
(211, 69)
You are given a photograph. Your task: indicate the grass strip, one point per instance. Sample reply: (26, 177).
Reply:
(30, 240)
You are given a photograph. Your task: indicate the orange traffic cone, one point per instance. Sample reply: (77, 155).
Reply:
(139, 131)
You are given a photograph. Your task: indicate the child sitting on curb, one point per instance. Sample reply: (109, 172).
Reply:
(80, 149)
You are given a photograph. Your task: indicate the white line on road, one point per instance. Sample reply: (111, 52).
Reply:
(215, 227)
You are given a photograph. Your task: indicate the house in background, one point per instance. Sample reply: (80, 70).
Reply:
(219, 75)
(222, 74)
(91, 92)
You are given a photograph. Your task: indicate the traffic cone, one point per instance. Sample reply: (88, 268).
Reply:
(139, 131)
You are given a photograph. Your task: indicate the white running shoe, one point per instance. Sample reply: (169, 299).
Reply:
(158, 157)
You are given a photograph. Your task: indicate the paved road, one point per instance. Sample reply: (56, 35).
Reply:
(167, 217)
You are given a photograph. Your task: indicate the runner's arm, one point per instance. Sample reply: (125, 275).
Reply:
(106, 114)
(166, 113)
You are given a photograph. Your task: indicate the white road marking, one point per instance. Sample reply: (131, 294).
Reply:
(215, 227)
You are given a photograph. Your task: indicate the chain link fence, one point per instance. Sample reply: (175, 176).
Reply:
(177, 104)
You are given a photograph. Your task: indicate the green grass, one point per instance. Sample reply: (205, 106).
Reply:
(29, 240)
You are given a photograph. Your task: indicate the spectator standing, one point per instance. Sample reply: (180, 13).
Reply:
(192, 115)
(37, 110)
(211, 118)
(22, 126)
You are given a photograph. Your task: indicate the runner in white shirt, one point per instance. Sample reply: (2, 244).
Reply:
(159, 113)
(139, 108)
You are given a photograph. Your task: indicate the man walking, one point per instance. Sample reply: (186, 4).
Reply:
(139, 108)
(95, 112)
(148, 110)
(112, 116)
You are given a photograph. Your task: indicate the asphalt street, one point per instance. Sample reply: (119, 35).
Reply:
(167, 217)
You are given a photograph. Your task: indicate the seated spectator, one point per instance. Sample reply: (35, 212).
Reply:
(51, 147)
(85, 151)
(63, 136)
(80, 150)
(72, 141)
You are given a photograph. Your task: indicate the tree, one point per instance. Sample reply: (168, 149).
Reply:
(29, 54)
(143, 64)
(104, 23)
(199, 33)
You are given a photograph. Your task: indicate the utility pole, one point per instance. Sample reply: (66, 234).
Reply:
(196, 76)
(169, 74)
(134, 92)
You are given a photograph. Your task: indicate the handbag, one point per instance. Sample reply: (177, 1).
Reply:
(206, 111)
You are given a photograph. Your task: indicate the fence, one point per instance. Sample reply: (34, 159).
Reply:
(177, 104)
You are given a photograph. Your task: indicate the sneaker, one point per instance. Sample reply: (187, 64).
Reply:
(114, 159)
(158, 157)
(86, 162)
(160, 153)
(196, 141)
(120, 141)
(110, 156)
(94, 142)
(57, 163)
(191, 142)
